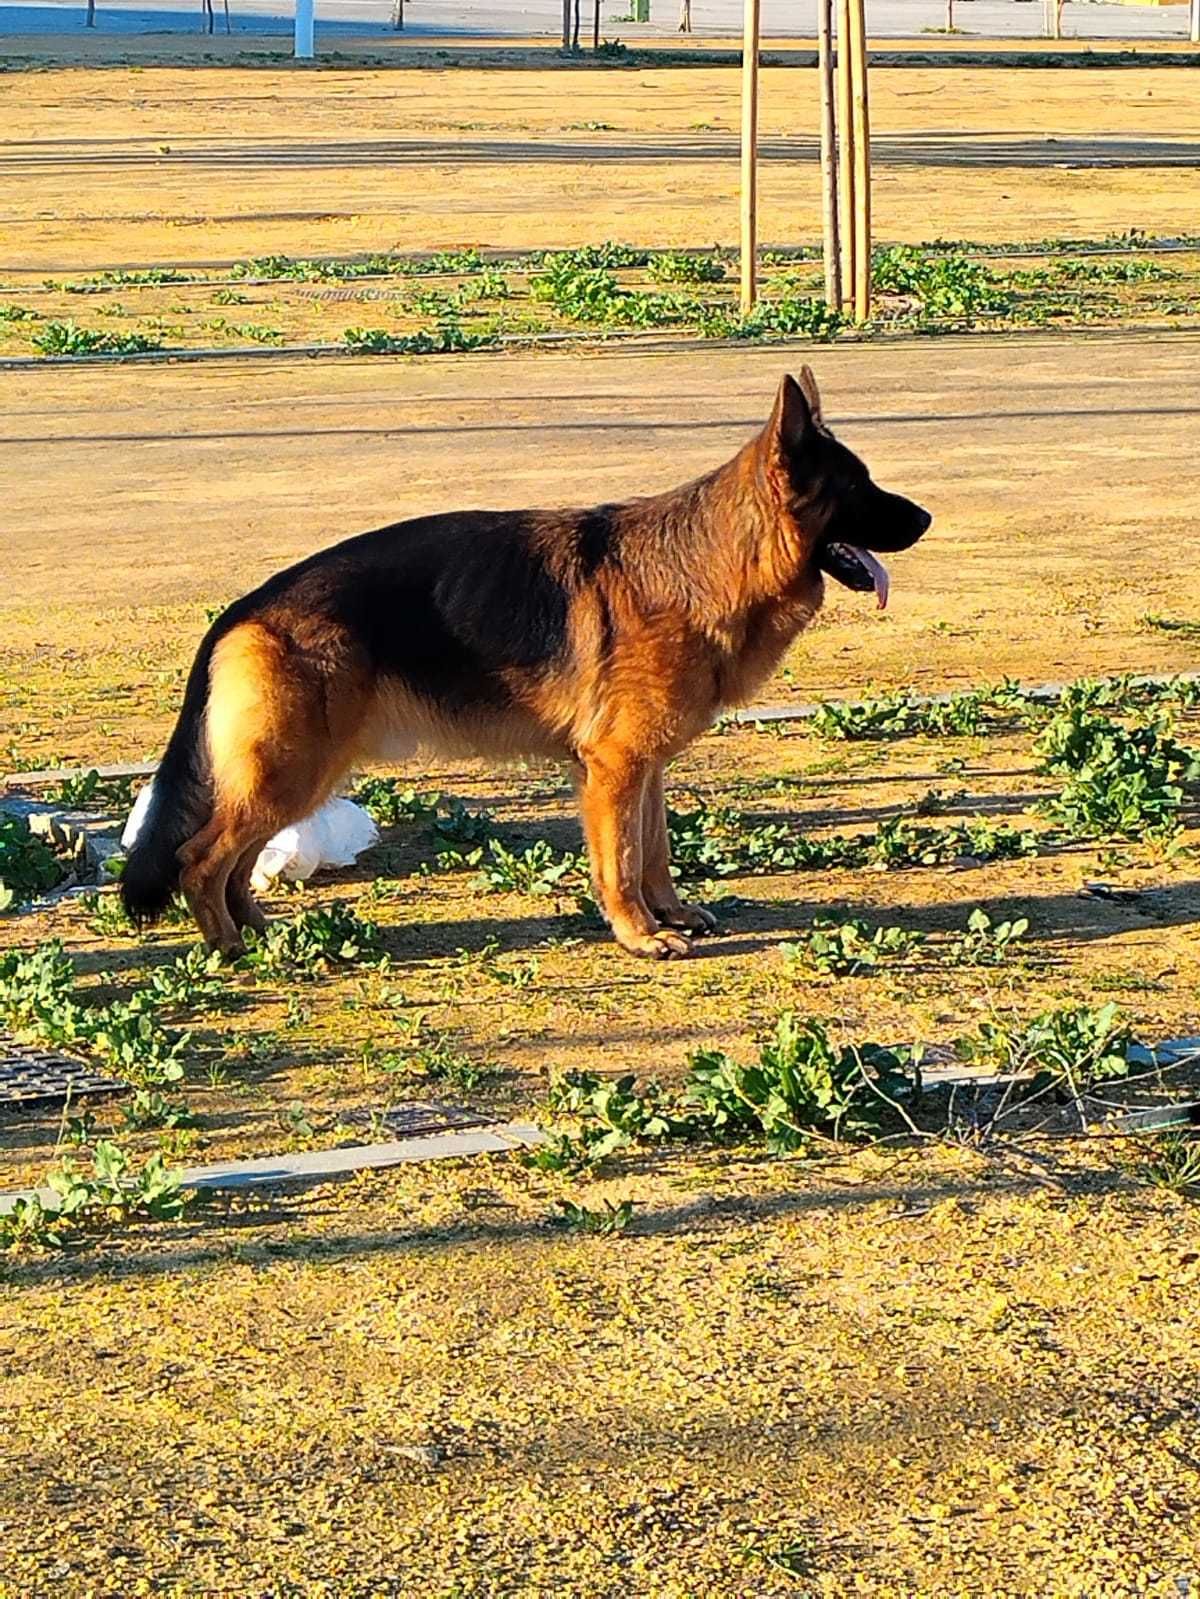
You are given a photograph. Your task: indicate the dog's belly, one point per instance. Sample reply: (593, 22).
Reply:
(403, 725)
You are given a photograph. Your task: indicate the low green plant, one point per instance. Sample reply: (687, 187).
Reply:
(1122, 780)
(193, 976)
(801, 1088)
(801, 1085)
(83, 790)
(149, 1109)
(850, 948)
(446, 339)
(1170, 1161)
(536, 869)
(28, 866)
(612, 1113)
(435, 1057)
(790, 316)
(114, 1191)
(1072, 1049)
(984, 942)
(604, 1223)
(65, 338)
(947, 285)
(678, 266)
(309, 943)
(717, 841)
(390, 802)
(1188, 627)
(996, 708)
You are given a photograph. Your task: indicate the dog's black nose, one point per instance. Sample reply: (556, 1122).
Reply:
(924, 521)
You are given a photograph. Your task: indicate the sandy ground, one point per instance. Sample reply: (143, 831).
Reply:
(166, 166)
(934, 1373)
(1053, 467)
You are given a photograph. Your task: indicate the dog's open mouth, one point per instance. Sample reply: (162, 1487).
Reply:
(857, 569)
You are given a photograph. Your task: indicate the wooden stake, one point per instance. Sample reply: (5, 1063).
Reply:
(750, 155)
(829, 200)
(845, 154)
(862, 162)
(596, 25)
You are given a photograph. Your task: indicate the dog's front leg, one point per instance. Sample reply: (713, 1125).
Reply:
(611, 795)
(658, 886)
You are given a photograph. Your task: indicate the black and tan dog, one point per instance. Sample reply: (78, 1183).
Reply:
(607, 638)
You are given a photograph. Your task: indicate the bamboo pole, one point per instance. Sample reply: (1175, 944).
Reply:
(750, 155)
(845, 154)
(829, 198)
(862, 161)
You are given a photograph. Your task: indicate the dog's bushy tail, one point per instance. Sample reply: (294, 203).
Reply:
(180, 805)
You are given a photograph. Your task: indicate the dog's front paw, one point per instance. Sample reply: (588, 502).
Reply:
(693, 918)
(664, 945)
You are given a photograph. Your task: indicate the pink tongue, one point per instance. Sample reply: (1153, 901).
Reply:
(878, 573)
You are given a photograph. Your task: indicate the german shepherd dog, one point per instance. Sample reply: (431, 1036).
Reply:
(608, 638)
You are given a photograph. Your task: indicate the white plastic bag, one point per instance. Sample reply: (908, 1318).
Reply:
(334, 835)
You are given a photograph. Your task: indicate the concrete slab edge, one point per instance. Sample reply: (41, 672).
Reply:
(327, 1165)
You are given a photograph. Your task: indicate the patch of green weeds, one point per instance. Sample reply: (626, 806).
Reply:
(802, 1088)
(1119, 780)
(947, 286)
(66, 338)
(28, 866)
(604, 1223)
(985, 943)
(678, 266)
(447, 338)
(850, 948)
(113, 1192)
(1071, 1050)
(1170, 1161)
(390, 802)
(81, 791)
(312, 941)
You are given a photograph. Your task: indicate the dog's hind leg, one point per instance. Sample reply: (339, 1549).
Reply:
(239, 897)
(281, 726)
(658, 886)
(209, 861)
(611, 797)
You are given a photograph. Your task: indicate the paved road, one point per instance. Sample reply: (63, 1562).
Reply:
(885, 18)
(1062, 471)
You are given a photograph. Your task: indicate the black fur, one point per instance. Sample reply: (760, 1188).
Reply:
(181, 804)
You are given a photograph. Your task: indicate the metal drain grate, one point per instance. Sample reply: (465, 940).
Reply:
(30, 1076)
(417, 1119)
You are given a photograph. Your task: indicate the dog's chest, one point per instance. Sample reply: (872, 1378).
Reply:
(749, 654)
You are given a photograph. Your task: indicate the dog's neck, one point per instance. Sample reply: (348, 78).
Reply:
(728, 546)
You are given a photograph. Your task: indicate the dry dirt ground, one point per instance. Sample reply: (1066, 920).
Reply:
(939, 1371)
(936, 1373)
(157, 165)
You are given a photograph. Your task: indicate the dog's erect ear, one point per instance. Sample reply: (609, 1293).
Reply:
(810, 391)
(792, 418)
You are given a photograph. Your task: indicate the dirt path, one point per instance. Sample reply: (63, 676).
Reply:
(164, 165)
(1056, 469)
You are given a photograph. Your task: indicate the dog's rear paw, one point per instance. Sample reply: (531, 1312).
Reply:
(664, 945)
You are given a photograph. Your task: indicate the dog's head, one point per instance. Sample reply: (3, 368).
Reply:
(839, 515)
